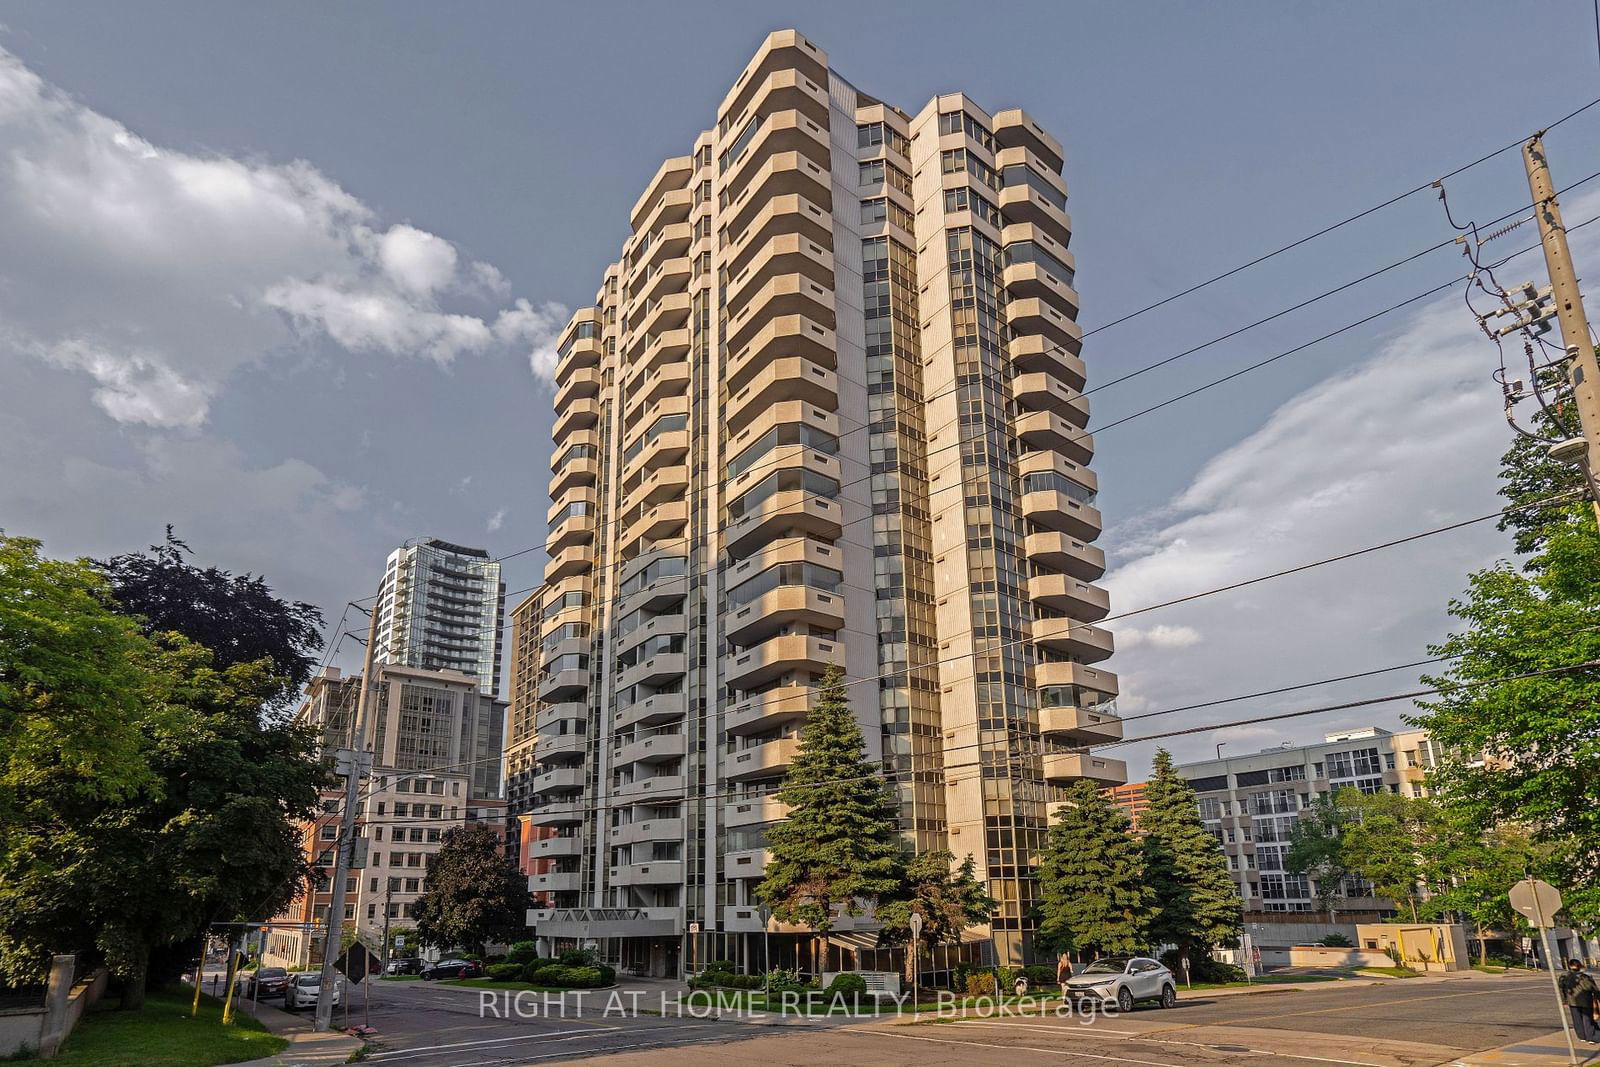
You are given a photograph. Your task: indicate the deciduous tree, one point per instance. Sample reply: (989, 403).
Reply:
(474, 894)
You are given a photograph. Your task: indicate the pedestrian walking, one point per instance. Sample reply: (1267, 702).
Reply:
(1063, 969)
(1579, 993)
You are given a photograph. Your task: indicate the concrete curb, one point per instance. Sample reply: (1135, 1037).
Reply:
(307, 1048)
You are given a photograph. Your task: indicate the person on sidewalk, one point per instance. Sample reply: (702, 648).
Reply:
(1579, 993)
(1063, 969)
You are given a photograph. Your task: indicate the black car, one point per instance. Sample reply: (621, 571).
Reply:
(272, 981)
(453, 969)
(409, 965)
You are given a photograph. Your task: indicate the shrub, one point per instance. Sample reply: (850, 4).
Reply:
(781, 981)
(504, 972)
(980, 984)
(608, 974)
(1337, 940)
(847, 986)
(721, 965)
(1039, 974)
(1005, 979)
(1202, 968)
(579, 957)
(545, 973)
(583, 977)
(523, 952)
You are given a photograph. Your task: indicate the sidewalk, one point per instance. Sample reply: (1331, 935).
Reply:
(307, 1048)
(1548, 1050)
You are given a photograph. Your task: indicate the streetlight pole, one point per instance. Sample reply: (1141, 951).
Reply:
(1219, 748)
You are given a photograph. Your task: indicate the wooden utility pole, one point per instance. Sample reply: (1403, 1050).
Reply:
(354, 760)
(1581, 368)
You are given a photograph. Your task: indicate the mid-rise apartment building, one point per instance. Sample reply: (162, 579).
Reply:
(436, 743)
(825, 409)
(439, 608)
(1251, 803)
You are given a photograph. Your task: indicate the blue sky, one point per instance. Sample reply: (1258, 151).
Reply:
(281, 435)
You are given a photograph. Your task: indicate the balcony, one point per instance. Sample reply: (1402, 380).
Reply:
(1080, 601)
(667, 448)
(580, 414)
(1036, 281)
(1050, 432)
(778, 656)
(644, 389)
(1034, 317)
(787, 295)
(655, 523)
(746, 919)
(563, 684)
(782, 174)
(780, 607)
(559, 780)
(551, 748)
(661, 667)
(765, 760)
(783, 381)
(1015, 128)
(1063, 768)
(583, 383)
(746, 863)
(561, 717)
(1064, 553)
(1079, 725)
(673, 175)
(1086, 643)
(554, 848)
(568, 563)
(668, 625)
(658, 486)
(582, 471)
(785, 63)
(658, 789)
(789, 214)
(659, 350)
(669, 242)
(651, 748)
(1056, 510)
(651, 872)
(660, 316)
(558, 813)
(671, 205)
(577, 530)
(1040, 391)
(788, 512)
(584, 352)
(652, 711)
(1020, 203)
(1035, 353)
(645, 830)
(779, 132)
(781, 337)
(785, 254)
(753, 810)
(1056, 672)
(763, 711)
(555, 882)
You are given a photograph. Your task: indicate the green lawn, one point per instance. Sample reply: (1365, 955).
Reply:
(495, 983)
(1392, 972)
(163, 1035)
(401, 978)
(1266, 979)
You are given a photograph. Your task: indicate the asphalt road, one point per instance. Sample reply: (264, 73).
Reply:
(1393, 1024)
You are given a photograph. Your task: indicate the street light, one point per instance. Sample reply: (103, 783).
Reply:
(1219, 748)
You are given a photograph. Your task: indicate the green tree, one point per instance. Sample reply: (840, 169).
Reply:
(949, 898)
(1093, 894)
(1390, 840)
(236, 616)
(1317, 851)
(1527, 752)
(474, 894)
(838, 849)
(1197, 905)
(1475, 872)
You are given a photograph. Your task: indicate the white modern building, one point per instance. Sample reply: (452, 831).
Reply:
(439, 608)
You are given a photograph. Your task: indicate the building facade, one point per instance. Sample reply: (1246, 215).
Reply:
(1251, 804)
(1131, 799)
(825, 409)
(436, 742)
(439, 608)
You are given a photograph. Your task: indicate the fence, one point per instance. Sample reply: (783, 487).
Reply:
(43, 1026)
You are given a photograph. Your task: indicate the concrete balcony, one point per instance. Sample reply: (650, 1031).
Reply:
(583, 471)
(672, 176)
(1089, 644)
(649, 353)
(671, 205)
(1058, 511)
(780, 607)
(647, 387)
(651, 872)
(669, 277)
(559, 780)
(564, 686)
(579, 414)
(652, 711)
(789, 512)
(792, 457)
(746, 863)
(1062, 768)
(1041, 391)
(558, 813)
(1034, 281)
(661, 667)
(780, 132)
(1064, 553)
(1015, 128)
(778, 656)
(1055, 672)
(781, 174)
(1079, 725)
(789, 253)
(561, 717)
(583, 383)
(583, 437)
(789, 214)
(668, 313)
(785, 295)
(746, 919)
(783, 382)
(763, 711)
(651, 748)
(1036, 353)
(783, 52)
(662, 625)
(669, 242)
(1049, 432)
(657, 789)
(660, 485)
(779, 337)
(1020, 203)
(555, 882)
(551, 651)
(749, 812)
(655, 523)
(577, 530)
(766, 760)
(645, 830)
(585, 352)
(1038, 318)
(554, 848)
(665, 449)
(550, 748)
(1079, 600)
(586, 923)
(568, 563)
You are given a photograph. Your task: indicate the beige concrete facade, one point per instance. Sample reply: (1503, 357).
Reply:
(826, 409)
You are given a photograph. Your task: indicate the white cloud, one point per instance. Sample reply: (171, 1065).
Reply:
(536, 327)
(496, 520)
(1157, 637)
(159, 273)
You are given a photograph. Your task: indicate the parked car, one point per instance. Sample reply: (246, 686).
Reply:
(455, 968)
(1123, 980)
(410, 965)
(302, 990)
(272, 981)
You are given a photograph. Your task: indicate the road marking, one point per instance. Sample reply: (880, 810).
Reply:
(606, 1050)
(1355, 1007)
(403, 1053)
(1015, 1048)
(1090, 1031)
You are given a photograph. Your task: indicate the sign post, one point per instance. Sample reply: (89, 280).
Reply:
(1539, 901)
(916, 958)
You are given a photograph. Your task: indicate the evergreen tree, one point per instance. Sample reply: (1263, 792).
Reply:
(1093, 895)
(474, 894)
(1197, 905)
(838, 849)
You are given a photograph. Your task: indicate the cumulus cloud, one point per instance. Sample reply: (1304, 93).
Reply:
(1157, 637)
(537, 328)
(159, 273)
(496, 520)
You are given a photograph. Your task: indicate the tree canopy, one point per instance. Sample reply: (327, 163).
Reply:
(949, 898)
(1093, 895)
(1197, 906)
(474, 894)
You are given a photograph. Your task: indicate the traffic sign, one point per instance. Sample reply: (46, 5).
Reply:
(1537, 900)
(916, 924)
(694, 928)
(357, 962)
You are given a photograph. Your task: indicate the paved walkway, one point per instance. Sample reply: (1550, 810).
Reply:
(307, 1048)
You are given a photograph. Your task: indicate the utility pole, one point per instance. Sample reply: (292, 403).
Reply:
(354, 760)
(1581, 369)
(388, 894)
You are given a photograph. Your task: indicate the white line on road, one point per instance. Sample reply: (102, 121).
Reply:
(403, 1053)
(1091, 1031)
(1015, 1048)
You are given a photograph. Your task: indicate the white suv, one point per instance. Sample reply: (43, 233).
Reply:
(1122, 980)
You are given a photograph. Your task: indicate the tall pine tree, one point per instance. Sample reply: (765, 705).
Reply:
(1197, 906)
(1093, 896)
(838, 849)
